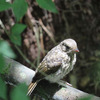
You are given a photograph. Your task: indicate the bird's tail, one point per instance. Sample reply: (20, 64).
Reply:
(31, 88)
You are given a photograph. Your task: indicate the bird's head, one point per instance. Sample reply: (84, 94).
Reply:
(69, 46)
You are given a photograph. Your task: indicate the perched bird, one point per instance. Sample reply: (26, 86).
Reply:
(58, 62)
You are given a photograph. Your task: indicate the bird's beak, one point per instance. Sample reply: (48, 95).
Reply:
(76, 50)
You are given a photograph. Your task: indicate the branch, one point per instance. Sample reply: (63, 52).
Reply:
(18, 73)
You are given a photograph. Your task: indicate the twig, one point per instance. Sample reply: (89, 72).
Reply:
(17, 48)
(36, 31)
(47, 31)
(24, 57)
(41, 41)
(31, 22)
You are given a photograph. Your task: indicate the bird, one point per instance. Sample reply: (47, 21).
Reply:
(58, 62)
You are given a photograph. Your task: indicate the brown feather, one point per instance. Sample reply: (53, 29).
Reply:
(31, 88)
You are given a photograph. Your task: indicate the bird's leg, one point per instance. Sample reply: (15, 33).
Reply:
(63, 83)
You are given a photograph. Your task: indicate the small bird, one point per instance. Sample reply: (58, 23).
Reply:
(58, 62)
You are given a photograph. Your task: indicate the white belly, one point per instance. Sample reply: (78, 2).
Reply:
(63, 71)
(58, 75)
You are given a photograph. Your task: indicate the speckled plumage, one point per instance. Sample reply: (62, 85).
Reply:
(58, 62)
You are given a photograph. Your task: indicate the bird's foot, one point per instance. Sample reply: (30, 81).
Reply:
(63, 83)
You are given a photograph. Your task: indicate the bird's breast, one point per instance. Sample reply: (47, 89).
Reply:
(58, 75)
(61, 72)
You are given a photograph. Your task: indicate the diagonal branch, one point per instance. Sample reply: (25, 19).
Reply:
(18, 73)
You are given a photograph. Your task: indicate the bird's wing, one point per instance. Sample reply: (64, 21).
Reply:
(43, 70)
(50, 64)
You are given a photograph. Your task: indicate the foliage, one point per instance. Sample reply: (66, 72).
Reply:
(2, 90)
(1, 63)
(5, 50)
(19, 92)
(15, 35)
(95, 71)
(4, 5)
(19, 8)
(48, 5)
(86, 98)
(95, 74)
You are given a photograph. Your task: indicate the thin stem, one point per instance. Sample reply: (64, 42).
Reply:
(17, 48)
(38, 44)
(24, 57)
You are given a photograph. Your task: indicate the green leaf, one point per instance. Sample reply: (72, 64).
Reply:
(16, 31)
(6, 50)
(47, 5)
(1, 63)
(19, 93)
(4, 5)
(19, 7)
(94, 71)
(2, 89)
(86, 98)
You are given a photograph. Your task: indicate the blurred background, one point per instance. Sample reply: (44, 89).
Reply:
(46, 27)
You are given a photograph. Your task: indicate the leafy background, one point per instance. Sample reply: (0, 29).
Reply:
(29, 29)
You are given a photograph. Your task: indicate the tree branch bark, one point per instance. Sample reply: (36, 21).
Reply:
(18, 73)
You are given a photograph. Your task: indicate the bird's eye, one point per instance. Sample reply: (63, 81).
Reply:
(67, 47)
